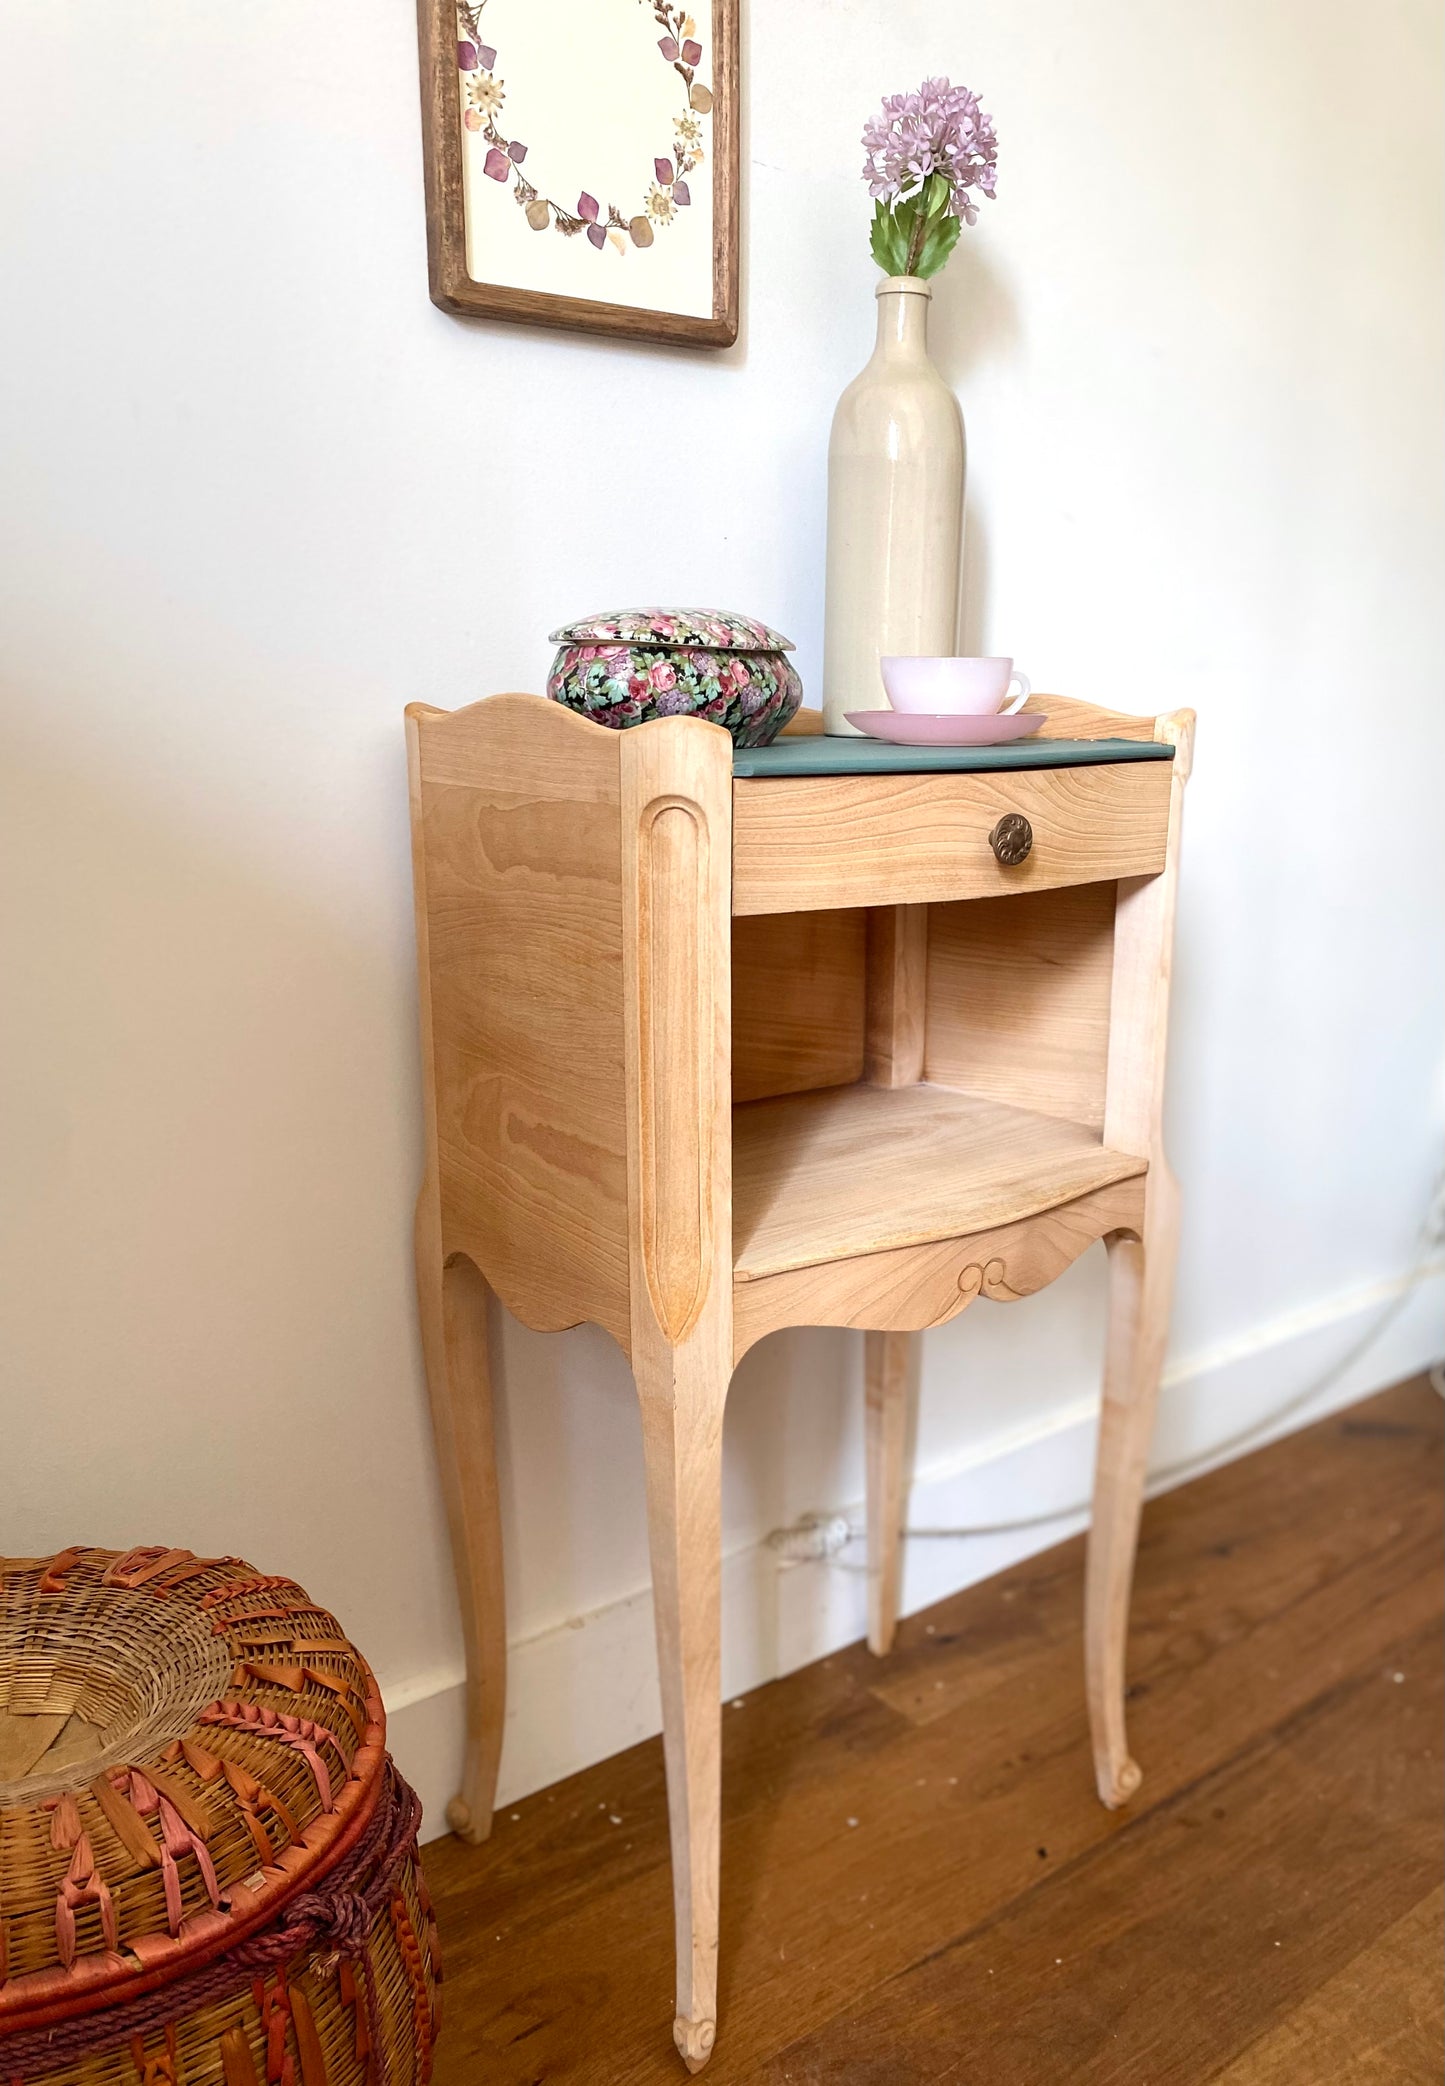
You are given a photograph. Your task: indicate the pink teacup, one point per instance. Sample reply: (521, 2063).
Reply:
(953, 687)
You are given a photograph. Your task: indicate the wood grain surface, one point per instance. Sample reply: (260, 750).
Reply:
(518, 850)
(920, 1885)
(798, 1002)
(1141, 1275)
(1018, 999)
(907, 1289)
(897, 994)
(810, 841)
(677, 941)
(810, 1171)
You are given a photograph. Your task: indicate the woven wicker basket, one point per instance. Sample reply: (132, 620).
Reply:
(208, 1871)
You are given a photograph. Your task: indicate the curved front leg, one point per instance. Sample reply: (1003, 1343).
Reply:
(682, 1399)
(1141, 1274)
(676, 840)
(1141, 1282)
(887, 1361)
(453, 1302)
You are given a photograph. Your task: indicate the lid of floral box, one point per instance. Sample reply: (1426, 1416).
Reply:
(716, 629)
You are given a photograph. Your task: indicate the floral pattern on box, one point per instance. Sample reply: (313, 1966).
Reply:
(715, 627)
(631, 665)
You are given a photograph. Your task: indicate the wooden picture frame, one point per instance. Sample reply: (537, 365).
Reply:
(462, 138)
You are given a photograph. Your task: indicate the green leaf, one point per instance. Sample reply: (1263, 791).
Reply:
(877, 239)
(889, 240)
(937, 247)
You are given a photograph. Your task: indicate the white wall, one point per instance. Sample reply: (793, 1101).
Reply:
(258, 494)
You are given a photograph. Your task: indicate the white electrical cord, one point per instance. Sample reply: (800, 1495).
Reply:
(820, 1539)
(1187, 1466)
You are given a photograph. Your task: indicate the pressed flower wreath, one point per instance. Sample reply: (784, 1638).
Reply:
(483, 95)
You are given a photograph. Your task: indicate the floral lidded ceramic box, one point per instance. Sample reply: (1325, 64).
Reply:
(629, 665)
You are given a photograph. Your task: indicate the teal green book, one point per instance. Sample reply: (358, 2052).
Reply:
(820, 755)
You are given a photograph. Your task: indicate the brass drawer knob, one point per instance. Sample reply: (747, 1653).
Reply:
(1011, 838)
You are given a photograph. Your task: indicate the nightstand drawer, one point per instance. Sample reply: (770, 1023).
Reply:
(802, 843)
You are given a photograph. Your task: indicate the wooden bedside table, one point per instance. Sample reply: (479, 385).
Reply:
(712, 1045)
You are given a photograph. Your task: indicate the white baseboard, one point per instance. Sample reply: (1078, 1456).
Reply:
(586, 1690)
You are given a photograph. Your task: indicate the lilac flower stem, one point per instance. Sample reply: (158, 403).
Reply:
(920, 231)
(925, 152)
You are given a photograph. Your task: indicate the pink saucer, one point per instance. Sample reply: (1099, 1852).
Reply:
(956, 728)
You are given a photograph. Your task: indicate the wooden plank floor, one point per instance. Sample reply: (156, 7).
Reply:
(919, 1885)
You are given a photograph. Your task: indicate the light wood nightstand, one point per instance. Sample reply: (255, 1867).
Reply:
(707, 1053)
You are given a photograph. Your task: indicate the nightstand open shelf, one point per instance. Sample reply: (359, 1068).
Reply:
(852, 1170)
(712, 1048)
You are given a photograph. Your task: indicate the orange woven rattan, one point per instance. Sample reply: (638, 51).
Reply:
(208, 1871)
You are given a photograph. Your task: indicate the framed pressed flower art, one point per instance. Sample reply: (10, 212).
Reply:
(582, 163)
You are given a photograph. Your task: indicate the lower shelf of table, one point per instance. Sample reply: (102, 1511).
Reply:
(849, 1170)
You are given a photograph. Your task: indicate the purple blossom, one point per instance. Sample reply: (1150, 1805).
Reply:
(939, 129)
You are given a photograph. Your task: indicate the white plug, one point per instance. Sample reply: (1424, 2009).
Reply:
(814, 1539)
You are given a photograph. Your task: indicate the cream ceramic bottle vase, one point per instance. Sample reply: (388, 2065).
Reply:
(895, 510)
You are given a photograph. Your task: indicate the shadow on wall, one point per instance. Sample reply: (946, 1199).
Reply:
(975, 317)
(209, 1149)
(975, 320)
(570, 1466)
(212, 1146)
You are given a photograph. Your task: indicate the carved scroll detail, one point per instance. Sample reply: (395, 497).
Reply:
(970, 1283)
(676, 1098)
(992, 1280)
(1036, 1252)
(911, 1288)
